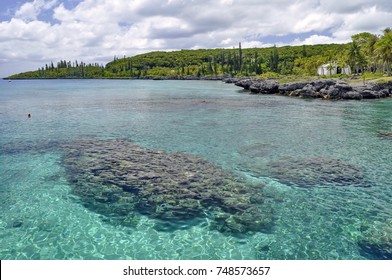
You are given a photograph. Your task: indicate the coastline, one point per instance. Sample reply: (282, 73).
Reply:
(321, 88)
(174, 78)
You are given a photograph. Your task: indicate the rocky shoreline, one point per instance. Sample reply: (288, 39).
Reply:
(325, 89)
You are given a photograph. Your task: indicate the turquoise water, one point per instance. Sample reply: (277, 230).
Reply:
(324, 169)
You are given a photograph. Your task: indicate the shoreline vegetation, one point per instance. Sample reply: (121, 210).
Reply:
(368, 57)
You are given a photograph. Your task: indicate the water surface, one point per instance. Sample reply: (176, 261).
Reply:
(324, 169)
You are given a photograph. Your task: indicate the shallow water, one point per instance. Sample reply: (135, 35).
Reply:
(247, 135)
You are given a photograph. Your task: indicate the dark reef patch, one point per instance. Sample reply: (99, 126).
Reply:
(29, 146)
(309, 172)
(119, 179)
(313, 171)
(256, 150)
(385, 134)
(376, 240)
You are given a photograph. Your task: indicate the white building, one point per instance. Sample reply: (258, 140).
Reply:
(329, 69)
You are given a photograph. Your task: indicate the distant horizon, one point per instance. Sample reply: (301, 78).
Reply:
(35, 32)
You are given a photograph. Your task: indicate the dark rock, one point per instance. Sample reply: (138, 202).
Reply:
(245, 83)
(314, 89)
(265, 87)
(377, 86)
(17, 223)
(307, 91)
(384, 93)
(255, 88)
(343, 87)
(231, 80)
(360, 88)
(295, 93)
(326, 89)
(287, 88)
(369, 94)
(331, 92)
(352, 95)
(320, 84)
(270, 87)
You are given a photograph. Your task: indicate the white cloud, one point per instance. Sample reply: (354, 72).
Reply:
(316, 39)
(349, 7)
(96, 30)
(257, 44)
(316, 21)
(371, 19)
(30, 10)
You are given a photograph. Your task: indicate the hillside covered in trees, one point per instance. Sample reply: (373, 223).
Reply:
(366, 52)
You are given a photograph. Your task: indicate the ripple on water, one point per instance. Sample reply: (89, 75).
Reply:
(42, 218)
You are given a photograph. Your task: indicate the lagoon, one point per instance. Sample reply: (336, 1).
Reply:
(322, 168)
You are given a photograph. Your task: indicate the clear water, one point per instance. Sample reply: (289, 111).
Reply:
(241, 133)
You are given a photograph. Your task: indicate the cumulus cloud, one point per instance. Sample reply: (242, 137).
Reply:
(96, 30)
(30, 10)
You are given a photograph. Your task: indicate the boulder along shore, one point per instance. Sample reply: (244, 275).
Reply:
(322, 88)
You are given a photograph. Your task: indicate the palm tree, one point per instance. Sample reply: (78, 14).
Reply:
(383, 48)
(330, 67)
(370, 52)
(355, 57)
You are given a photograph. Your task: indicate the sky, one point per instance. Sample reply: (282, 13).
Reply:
(36, 32)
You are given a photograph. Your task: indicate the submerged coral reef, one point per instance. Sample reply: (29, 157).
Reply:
(256, 150)
(376, 240)
(316, 171)
(120, 179)
(312, 171)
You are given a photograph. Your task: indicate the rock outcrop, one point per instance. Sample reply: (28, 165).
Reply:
(326, 89)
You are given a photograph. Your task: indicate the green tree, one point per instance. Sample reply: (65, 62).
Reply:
(274, 60)
(366, 42)
(304, 53)
(383, 48)
(355, 57)
(330, 67)
(240, 57)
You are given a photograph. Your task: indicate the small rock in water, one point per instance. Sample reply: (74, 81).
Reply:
(17, 223)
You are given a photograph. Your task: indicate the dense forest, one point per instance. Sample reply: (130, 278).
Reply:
(366, 53)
